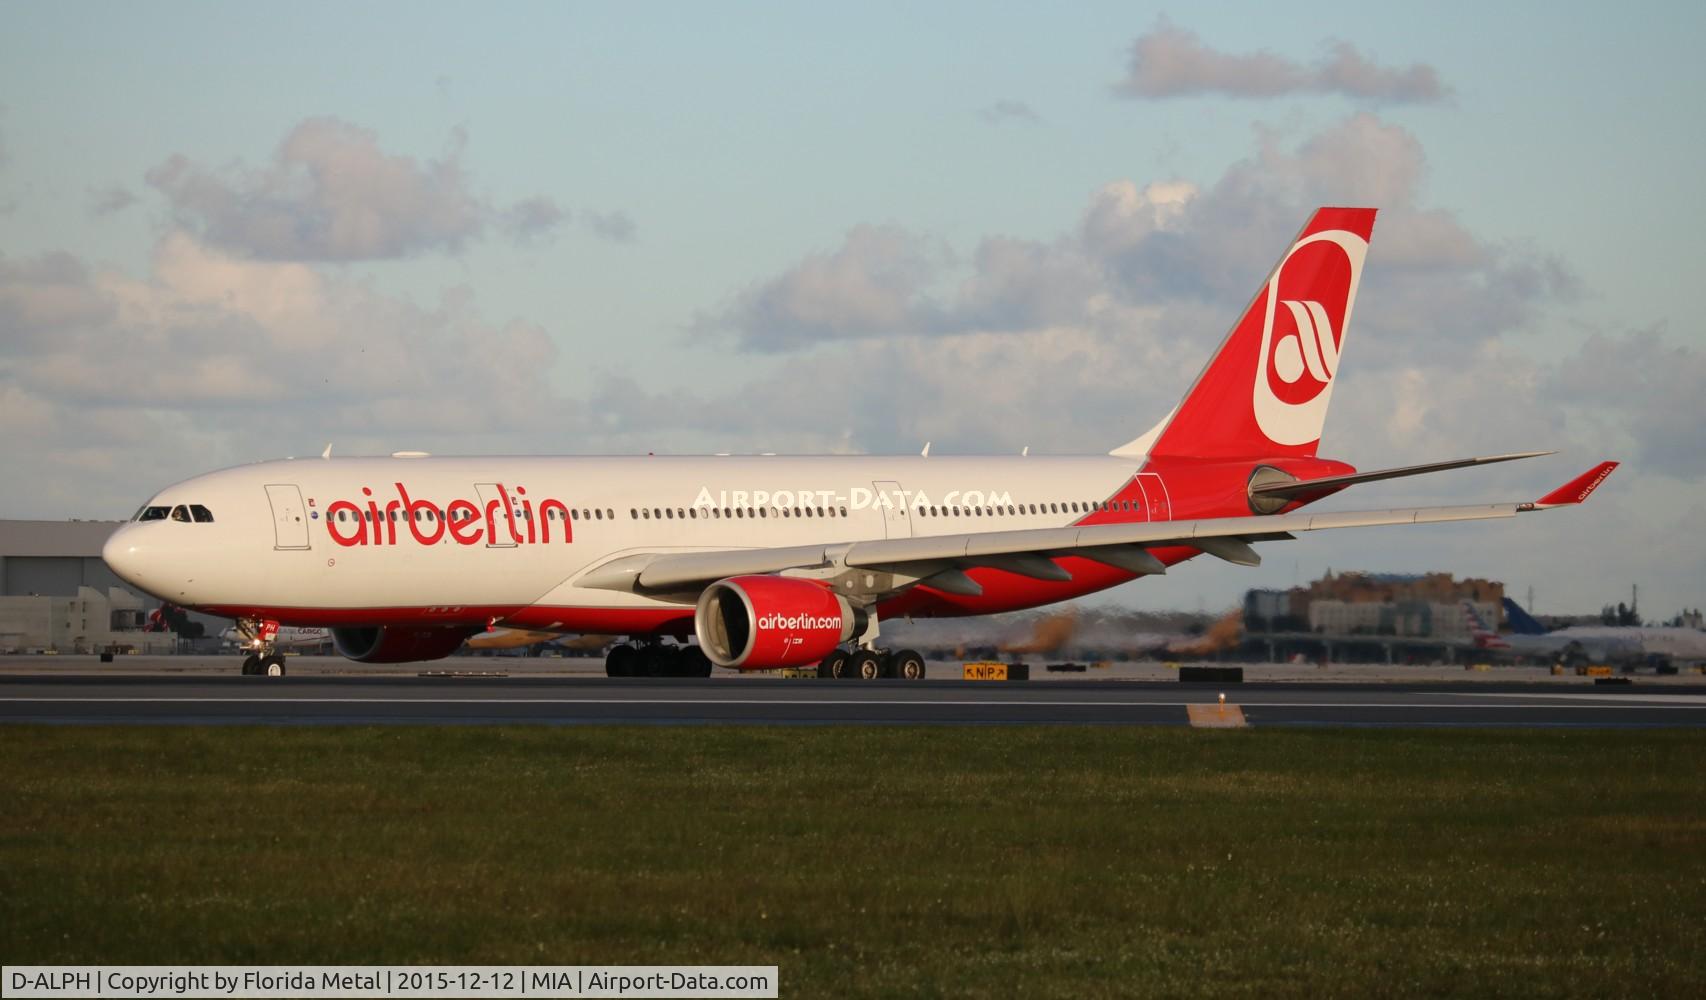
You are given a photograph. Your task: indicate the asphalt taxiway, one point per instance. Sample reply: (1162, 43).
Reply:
(486, 700)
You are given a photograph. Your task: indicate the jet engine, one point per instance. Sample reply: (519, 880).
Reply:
(399, 644)
(766, 622)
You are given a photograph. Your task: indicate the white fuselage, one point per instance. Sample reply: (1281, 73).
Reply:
(365, 541)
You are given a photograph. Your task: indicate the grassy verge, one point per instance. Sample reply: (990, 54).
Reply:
(875, 861)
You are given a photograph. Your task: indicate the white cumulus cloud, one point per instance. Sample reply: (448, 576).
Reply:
(1169, 61)
(331, 193)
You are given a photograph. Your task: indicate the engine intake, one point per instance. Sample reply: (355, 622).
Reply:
(399, 644)
(766, 622)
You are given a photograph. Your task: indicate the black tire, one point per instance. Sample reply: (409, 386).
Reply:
(833, 666)
(273, 666)
(693, 662)
(658, 660)
(907, 665)
(865, 665)
(251, 665)
(621, 661)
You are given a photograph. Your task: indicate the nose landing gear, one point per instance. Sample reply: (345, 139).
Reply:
(264, 659)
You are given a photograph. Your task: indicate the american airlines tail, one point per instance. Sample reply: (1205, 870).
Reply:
(1483, 634)
(1265, 393)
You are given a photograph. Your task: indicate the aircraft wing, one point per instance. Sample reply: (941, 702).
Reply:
(937, 560)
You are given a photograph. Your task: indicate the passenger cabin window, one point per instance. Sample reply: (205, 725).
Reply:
(201, 514)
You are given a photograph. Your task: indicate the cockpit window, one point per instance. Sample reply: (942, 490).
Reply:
(153, 513)
(180, 513)
(201, 514)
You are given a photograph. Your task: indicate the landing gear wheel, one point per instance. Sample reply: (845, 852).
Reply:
(833, 666)
(620, 661)
(251, 665)
(657, 661)
(865, 665)
(273, 666)
(907, 665)
(693, 662)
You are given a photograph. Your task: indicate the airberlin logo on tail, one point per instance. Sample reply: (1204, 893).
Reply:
(1308, 308)
(510, 518)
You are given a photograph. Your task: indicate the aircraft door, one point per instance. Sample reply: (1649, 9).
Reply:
(891, 504)
(289, 521)
(1157, 507)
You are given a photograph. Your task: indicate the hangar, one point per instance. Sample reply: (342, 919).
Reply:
(56, 595)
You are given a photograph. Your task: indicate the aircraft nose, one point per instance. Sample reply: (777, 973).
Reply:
(124, 557)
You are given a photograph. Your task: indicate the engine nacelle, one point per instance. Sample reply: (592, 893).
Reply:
(399, 643)
(766, 622)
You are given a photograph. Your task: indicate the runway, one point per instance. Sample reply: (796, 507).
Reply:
(602, 701)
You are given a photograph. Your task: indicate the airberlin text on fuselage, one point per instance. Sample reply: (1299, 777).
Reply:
(466, 522)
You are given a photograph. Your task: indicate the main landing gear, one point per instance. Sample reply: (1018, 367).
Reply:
(264, 659)
(873, 664)
(656, 659)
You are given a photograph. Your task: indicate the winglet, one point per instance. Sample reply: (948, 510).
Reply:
(1576, 490)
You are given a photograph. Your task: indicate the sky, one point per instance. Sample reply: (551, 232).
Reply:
(241, 231)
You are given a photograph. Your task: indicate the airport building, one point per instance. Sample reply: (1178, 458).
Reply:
(1410, 605)
(56, 595)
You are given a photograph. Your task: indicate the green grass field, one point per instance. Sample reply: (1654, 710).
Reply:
(876, 861)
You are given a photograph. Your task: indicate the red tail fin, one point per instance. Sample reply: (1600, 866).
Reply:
(1266, 391)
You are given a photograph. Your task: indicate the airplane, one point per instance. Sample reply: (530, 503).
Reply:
(1556, 647)
(1605, 642)
(787, 561)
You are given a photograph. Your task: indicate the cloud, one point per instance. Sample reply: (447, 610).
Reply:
(1169, 252)
(1170, 61)
(331, 193)
(1004, 111)
(113, 385)
(1124, 305)
(45, 297)
(110, 200)
(616, 227)
(1645, 391)
(532, 219)
(872, 285)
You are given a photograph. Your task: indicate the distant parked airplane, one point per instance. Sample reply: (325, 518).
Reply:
(1582, 643)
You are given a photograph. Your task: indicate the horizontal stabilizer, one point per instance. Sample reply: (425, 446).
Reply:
(1302, 487)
